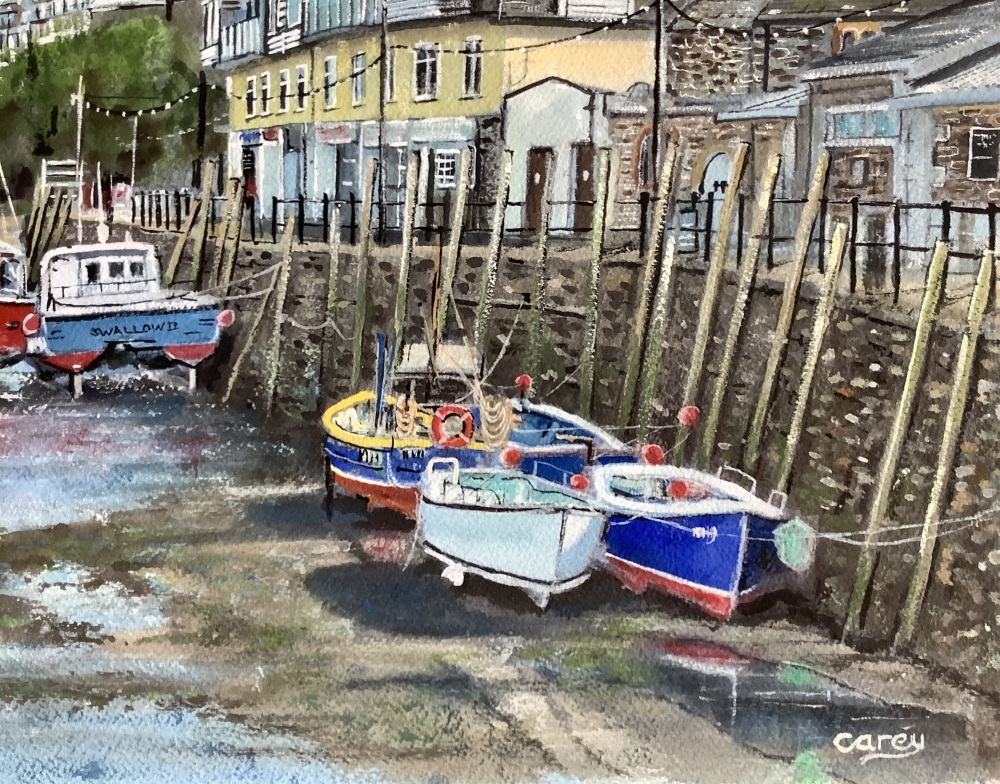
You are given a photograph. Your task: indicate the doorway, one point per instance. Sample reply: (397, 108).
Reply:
(583, 186)
(539, 160)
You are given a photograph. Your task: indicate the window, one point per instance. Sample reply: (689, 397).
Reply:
(300, 87)
(9, 275)
(137, 269)
(858, 172)
(869, 124)
(116, 269)
(330, 81)
(94, 272)
(359, 66)
(425, 72)
(283, 90)
(445, 168)
(389, 88)
(473, 56)
(252, 96)
(984, 153)
(265, 93)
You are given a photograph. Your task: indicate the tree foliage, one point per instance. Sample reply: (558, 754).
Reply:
(139, 63)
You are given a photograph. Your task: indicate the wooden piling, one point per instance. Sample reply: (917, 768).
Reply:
(710, 292)
(280, 293)
(201, 233)
(946, 453)
(640, 324)
(233, 236)
(786, 313)
(218, 251)
(251, 333)
(897, 436)
(489, 283)
(59, 226)
(603, 172)
(406, 253)
(182, 238)
(361, 293)
(333, 280)
(48, 219)
(747, 272)
(821, 322)
(534, 360)
(654, 349)
(450, 261)
(38, 208)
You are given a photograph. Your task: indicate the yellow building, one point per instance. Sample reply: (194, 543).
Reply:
(306, 121)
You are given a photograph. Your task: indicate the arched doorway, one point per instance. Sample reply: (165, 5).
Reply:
(714, 181)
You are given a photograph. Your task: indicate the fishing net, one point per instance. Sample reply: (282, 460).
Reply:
(496, 416)
(406, 417)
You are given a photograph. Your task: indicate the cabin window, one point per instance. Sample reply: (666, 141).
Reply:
(473, 55)
(425, 72)
(94, 272)
(116, 269)
(137, 269)
(984, 153)
(8, 275)
(359, 65)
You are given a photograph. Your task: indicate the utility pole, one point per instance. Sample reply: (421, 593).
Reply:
(383, 72)
(79, 161)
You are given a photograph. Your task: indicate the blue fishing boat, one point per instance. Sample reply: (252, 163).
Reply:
(95, 296)
(507, 527)
(697, 536)
(378, 450)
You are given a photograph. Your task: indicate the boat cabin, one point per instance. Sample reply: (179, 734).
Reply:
(114, 273)
(12, 280)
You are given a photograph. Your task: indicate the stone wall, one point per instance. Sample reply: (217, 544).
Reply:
(791, 51)
(951, 154)
(703, 63)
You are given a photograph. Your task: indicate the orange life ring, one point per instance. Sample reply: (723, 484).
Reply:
(459, 440)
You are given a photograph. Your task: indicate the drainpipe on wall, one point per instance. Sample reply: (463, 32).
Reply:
(767, 57)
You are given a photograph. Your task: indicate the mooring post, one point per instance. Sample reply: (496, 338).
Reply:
(786, 313)
(710, 292)
(747, 272)
(333, 280)
(201, 235)
(603, 172)
(897, 436)
(406, 255)
(534, 361)
(361, 292)
(450, 261)
(657, 330)
(493, 255)
(182, 238)
(650, 273)
(821, 322)
(946, 453)
(234, 233)
(280, 293)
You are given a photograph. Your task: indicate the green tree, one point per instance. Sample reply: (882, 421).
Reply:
(139, 63)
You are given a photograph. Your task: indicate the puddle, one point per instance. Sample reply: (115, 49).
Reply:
(73, 594)
(139, 742)
(784, 710)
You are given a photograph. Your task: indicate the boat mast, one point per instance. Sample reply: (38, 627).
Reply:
(79, 161)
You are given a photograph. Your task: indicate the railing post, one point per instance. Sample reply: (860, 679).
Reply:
(821, 250)
(709, 224)
(770, 238)
(177, 209)
(853, 256)
(302, 218)
(740, 226)
(897, 267)
(326, 217)
(354, 218)
(945, 221)
(274, 219)
(142, 211)
(643, 213)
(159, 211)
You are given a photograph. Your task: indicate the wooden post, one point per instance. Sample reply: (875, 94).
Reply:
(450, 261)
(222, 235)
(946, 454)
(333, 281)
(38, 208)
(493, 255)
(406, 255)
(250, 335)
(787, 311)
(60, 225)
(48, 219)
(821, 322)
(710, 292)
(603, 172)
(654, 351)
(361, 295)
(541, 282)
(233, 236)
(648, 282)
(747, 271)
(274, 354)
(897, 436)
(201, 234)
(182, 238)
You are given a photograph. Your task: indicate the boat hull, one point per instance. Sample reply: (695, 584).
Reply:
(715, 561)
(74, 341)
(13, 341)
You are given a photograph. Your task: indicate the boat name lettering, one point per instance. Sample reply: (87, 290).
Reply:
(879, 746)
(412, 454)
(127, 330)
(370, 456)
(711, 534)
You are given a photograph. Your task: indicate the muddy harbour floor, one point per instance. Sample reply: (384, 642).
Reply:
(176, 604)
